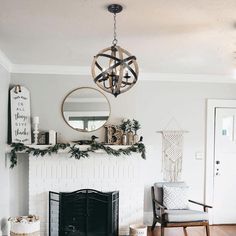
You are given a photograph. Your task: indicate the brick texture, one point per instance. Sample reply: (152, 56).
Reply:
(61, 174)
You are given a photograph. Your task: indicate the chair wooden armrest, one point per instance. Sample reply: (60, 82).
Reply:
(205, 207)
(159, 204)
(161, 210)
(156, 204)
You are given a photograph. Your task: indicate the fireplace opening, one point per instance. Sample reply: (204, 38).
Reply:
(85, 212)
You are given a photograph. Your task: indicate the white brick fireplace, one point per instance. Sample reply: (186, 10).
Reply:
(101, 172)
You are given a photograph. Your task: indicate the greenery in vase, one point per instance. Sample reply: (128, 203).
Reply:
(126, 125)
(136, 126)
(129, 124)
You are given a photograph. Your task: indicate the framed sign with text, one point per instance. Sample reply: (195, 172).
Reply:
(20, 115)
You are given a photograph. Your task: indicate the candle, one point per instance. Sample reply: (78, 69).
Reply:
(36, 131)
(35, 120)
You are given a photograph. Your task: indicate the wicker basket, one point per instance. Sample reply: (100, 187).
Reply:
(138, 230)
(24, 226)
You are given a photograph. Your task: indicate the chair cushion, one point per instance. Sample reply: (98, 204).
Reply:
(175, 198)
(158, 189)
(185, 215)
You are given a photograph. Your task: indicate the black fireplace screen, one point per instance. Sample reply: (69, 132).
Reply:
(85, 212)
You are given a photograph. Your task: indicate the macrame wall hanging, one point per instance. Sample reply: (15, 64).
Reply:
(172, 153)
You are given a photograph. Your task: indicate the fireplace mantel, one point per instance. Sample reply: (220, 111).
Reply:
(58, 173)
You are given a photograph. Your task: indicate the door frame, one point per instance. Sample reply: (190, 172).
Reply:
(212, 104)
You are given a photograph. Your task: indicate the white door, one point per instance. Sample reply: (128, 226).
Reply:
(224, 208)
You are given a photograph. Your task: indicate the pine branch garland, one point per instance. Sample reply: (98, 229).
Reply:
(74, 150)
(76, 153)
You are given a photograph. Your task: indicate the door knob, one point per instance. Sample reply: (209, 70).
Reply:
(217, 162)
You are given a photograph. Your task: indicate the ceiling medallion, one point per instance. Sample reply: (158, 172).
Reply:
(114, 69)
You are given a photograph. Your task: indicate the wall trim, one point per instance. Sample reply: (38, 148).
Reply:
(199, 78)
(86, 70)
(5, 62)
(212, 104)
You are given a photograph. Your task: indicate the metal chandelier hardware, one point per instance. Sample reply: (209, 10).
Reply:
(114, 69)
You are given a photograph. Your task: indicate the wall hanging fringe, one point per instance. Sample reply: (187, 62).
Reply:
(172, 155)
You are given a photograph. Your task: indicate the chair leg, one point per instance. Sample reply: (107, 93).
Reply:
(185, 231)
(207, 230)
(162, 230)
(153, 224)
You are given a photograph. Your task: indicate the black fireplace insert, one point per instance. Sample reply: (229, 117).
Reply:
(86, 212)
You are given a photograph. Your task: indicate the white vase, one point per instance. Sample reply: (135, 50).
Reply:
(130, 137)
(124, 139)
(136, 138)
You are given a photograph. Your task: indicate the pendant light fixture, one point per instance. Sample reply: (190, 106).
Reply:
(114, 69)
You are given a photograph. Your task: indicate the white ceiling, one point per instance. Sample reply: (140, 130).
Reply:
(166, 36)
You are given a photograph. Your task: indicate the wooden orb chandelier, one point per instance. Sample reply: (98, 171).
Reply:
(114, 69)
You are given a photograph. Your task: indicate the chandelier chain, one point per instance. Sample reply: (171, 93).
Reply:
(114, 69)
(114, 42)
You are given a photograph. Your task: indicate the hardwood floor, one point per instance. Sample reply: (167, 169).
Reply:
(221, 230)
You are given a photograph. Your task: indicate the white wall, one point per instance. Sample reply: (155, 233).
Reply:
(4, 171)
(152, 103)
(19, 190)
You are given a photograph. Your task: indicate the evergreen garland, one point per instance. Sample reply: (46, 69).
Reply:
(74, 150)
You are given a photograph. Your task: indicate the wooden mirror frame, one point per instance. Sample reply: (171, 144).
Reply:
(82, 130)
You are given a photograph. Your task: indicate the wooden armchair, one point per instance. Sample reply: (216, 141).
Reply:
(176, 218)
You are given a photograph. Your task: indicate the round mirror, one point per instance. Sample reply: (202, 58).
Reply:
(85, 109)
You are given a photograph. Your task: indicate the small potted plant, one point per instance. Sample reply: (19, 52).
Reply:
(136, 126)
